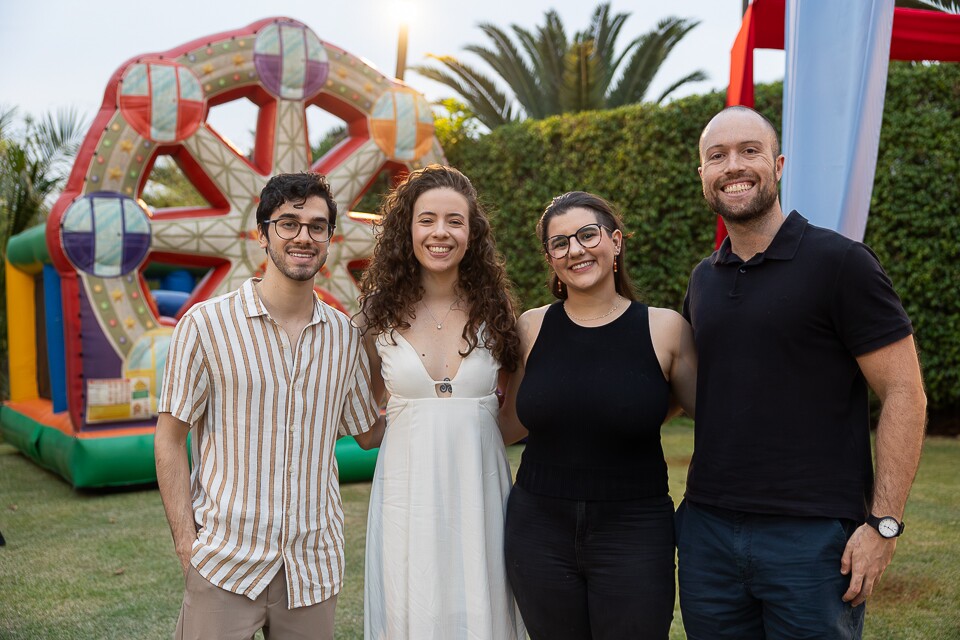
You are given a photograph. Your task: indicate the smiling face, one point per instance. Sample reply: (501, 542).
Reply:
(300, 258)
(740, 167)
(583, 269)
(440, 229)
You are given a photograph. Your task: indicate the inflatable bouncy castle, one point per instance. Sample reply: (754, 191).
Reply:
(93, 295)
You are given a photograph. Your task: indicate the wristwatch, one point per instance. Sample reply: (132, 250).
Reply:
(887, 526)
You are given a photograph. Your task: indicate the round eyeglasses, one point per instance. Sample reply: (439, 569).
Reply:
(288, 229)
(589, 236)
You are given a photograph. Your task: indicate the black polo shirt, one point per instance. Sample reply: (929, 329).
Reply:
(782, 418)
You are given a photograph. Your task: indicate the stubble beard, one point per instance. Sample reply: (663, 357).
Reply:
(299, 273)
(754, 210)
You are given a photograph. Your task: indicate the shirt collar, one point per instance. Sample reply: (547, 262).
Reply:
(253, 306)
(784, 245)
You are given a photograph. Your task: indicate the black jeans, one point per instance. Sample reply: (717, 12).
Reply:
(591, 569)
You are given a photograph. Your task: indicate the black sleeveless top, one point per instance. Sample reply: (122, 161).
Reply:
(593, 400)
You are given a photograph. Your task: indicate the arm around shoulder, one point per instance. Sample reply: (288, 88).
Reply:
(528, 326)
(672, 333)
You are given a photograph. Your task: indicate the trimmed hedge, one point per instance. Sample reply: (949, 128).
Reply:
(643, 158)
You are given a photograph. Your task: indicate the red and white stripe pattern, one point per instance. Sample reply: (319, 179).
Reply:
(265, 415)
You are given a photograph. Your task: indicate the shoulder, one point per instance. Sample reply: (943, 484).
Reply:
(529, 323)
(532, 318)
(200, 313)
(339, 319)
(666, 322)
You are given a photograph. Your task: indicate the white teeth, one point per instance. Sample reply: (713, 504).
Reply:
(440, 251)
(581, 266)
(737, 187)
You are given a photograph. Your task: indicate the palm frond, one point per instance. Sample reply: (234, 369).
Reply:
(505, 58)
(945, 6)
(647, 53)
(479, 93)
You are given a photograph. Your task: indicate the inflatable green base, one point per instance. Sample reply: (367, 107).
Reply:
(88, 463)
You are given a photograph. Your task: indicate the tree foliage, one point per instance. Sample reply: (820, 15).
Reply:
(643, 158)
(549, 73)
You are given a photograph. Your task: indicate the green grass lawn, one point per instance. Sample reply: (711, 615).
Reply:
(81, 565)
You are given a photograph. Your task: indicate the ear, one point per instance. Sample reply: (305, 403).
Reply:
(617, 237)
(261, 237)
(700, 172)
(778, 166)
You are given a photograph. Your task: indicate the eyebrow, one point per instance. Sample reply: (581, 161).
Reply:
(428, 212)
(294, 216)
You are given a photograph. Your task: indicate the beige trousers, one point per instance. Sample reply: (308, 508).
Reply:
(211, 613)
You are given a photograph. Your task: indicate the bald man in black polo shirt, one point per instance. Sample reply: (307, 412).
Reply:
(784, 530)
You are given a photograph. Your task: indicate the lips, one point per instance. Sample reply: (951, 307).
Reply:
(740, 186)
(438, 250)
(582, 266)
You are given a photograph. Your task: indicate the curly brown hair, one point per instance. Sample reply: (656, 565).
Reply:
(390, 286)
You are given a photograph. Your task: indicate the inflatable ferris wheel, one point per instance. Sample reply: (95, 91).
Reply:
(105, 258)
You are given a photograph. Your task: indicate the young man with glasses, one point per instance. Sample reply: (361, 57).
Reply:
(267, 378)
(784, 530)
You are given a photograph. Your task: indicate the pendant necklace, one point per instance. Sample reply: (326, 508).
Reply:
(440, 322)
(616, 305)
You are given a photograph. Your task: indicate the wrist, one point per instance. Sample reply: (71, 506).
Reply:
(887, 526)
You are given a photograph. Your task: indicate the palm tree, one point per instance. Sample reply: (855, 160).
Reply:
(34, 163)
(547, 73)
(946, 6)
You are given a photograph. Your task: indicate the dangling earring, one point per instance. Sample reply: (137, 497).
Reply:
(559, 287)
(615, 262)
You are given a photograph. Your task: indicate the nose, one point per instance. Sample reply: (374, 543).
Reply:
(576, 248)
(734, 163)
(441, 229)
(304, 234)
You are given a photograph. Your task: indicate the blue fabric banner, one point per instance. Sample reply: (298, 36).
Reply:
(837, 55)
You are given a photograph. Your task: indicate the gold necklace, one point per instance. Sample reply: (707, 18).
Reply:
(616, 305)
(440, 322)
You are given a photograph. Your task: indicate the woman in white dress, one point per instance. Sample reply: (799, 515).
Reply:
(439, 329)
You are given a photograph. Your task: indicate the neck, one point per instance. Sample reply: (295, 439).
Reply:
(583, 303)
(286, 299)
(439, 286)
(751, 237)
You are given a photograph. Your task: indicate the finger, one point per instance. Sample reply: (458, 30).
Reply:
(853, 592)
(846, 560)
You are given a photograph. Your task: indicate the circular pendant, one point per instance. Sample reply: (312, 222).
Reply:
(439, 327)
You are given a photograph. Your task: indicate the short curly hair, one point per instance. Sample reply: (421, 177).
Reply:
(391, 288)
(295, 188)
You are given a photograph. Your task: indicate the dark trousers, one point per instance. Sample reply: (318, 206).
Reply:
(584, 570)
(763, 577)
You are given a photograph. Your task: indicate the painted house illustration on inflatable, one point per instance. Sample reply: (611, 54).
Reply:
(93, 295)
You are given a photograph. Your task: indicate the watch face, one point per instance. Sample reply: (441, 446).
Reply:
(888, 528)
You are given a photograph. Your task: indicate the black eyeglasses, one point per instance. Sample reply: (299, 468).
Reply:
(589, 236)
(288, 229)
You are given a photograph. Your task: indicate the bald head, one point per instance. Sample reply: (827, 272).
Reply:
(740, 114)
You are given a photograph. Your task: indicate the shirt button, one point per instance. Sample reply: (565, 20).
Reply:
(743, 269)
(293, 429)
(290, 469)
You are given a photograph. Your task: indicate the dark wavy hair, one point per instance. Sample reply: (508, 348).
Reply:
(607, 216)
(390, 286)
(295, 188)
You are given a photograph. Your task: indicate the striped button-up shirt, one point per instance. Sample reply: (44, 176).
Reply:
(264, 417)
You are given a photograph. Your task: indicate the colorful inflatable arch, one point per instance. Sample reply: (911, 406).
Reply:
(92, 296)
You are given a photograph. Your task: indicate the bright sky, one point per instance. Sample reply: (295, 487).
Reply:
(58, 53)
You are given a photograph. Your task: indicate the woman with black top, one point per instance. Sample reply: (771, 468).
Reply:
(589, 532)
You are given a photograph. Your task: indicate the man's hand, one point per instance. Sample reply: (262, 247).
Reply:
(865, 558)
